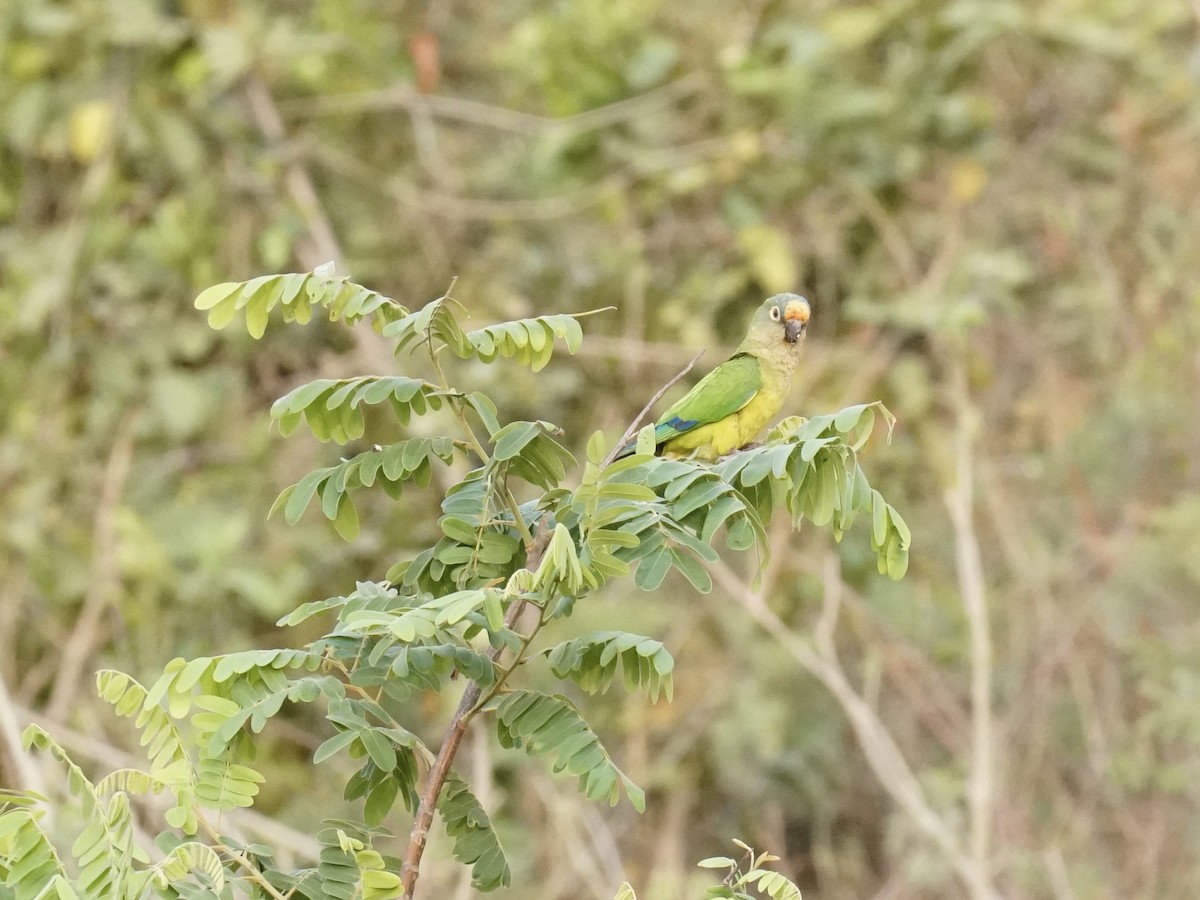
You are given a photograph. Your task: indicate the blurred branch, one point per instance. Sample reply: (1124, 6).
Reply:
(103, 577)
(473, 112)
(13, 590)
(15, 762)
(882, 753)
(886, 344)
(1056, 867)
(959, 503)
(589, 853)
(453, 206)
(324, 245)
(891, 235)
(297, 180)
(910, 670)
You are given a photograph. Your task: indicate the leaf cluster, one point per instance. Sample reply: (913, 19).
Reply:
(451, 610)
(742, 877)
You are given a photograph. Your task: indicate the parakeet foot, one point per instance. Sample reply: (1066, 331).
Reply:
(751, 446)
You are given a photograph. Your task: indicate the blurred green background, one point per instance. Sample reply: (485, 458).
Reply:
(993, 207)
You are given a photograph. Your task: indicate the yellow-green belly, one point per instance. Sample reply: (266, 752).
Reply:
(731, 433)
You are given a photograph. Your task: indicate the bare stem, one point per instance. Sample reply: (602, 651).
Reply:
(959, 502)
(251, 870)
(468, 706)
(502, 678)
(14, 761)
(637, 421)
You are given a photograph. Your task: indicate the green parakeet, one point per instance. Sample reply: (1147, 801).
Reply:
(730, 405)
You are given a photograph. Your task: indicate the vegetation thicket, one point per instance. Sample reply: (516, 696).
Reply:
(991, 208)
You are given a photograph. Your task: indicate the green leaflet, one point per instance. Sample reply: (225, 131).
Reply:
(531, 453)
(391, 467)
(550, 725)
(104, 850)
(333, 408)
(528, 341)
(296, 295)
(475, 841)
(187, 858)
(592, 660)
(29, 864)
(811, 466)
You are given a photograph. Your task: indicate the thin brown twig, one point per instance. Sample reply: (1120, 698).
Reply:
(466, 710)
(637, 421)
(252, 871)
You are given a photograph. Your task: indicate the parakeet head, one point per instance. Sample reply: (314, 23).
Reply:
(783, 317)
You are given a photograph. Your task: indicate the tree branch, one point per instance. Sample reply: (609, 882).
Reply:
(20, 768)
(959, 501)
(467, 708)
(501, 118)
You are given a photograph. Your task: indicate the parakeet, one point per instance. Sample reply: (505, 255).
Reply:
(730, 405)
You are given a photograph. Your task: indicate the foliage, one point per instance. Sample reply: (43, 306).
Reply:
(452, 610)
(738, 883)
(475, 841)
(989, 206)
(296, 294)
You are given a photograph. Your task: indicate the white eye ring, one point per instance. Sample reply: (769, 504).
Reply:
(775, 313)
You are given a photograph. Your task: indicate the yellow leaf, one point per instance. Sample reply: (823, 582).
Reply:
(968, 178)
(855, 26)
(91, 128)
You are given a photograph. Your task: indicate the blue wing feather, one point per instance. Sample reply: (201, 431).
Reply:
(672, 427)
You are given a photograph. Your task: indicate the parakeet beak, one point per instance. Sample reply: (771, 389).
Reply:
(795, 320)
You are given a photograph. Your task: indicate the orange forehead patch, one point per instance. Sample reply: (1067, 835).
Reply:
(797, 310)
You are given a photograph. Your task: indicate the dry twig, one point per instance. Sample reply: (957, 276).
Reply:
(637, 420)
(103, 578)
(959, 503)
(21, 771)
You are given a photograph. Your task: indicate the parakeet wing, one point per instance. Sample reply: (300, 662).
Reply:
(720, 393)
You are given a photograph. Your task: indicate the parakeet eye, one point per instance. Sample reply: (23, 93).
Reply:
(775, 313)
